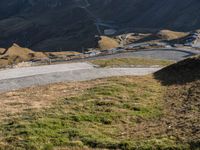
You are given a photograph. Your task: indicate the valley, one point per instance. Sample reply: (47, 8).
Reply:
(165, 44)
(99, 74)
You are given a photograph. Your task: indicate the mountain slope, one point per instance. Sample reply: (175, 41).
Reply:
(46, 25)
(174, 14)
(56, 25)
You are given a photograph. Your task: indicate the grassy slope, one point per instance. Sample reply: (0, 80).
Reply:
(183, 72)
(183, 111)
(182, 98)
(117, 62)
(171, 35)
(16, 54)
(113, 113)
(107, 43)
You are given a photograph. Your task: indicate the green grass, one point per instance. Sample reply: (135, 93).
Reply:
(118, 62)
(103, 116)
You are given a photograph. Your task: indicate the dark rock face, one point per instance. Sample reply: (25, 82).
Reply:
(53, 25)
(174, 14)
(46, 25)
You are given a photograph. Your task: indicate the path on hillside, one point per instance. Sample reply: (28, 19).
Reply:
(17, 78)
(98, 22)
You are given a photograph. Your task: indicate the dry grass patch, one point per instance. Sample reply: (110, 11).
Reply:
(130, 62)
(107, 43)
(2, 51)
(16, 102)
(171, 35)
(182, 100)
(183, 110)
(16, 54)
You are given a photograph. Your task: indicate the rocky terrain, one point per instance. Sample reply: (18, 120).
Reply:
(60, 25)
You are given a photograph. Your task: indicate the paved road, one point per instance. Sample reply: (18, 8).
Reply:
(13, 79)
(166, 54)
(31, 71)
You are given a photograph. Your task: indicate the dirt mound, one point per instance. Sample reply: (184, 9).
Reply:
(107, 43)
(182, 103)
(181, 72)
(16, 54)
(171, 35)
(182, 100)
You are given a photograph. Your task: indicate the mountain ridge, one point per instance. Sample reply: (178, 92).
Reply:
(60, 25)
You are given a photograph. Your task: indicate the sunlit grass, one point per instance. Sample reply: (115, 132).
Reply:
(120, 62)
(101, 116)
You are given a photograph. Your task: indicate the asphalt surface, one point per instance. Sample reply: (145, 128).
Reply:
(17, 78)
(165, 54)
(14, 79)
(37, 70)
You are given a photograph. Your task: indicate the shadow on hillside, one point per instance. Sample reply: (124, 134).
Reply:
(180, 73)
(149, 38)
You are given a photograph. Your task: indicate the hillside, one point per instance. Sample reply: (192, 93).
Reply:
(54, 25)
(46, 25)
(131, 112)
(182, 99)
(107, 43)
(171, 35)
(174, 14)
(16, 54)
(182, 72)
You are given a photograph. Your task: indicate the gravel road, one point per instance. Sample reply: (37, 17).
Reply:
(13, 79)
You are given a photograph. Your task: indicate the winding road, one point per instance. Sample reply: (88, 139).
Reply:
(165, 54)
(17, 78)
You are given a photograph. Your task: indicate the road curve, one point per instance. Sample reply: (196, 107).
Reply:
(14, 79)
(17, 78)
(165, 54)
